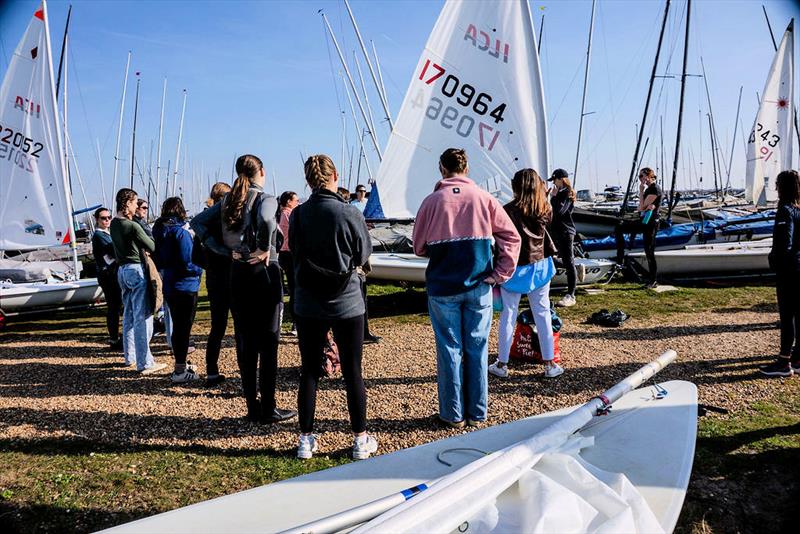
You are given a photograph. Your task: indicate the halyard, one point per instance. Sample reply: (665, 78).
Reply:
(86, 444)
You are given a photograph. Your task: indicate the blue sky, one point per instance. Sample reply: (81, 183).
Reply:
(259, 79)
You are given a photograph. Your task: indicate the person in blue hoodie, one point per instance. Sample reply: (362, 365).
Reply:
(181, 279)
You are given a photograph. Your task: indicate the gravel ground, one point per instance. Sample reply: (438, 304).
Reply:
(56, 387)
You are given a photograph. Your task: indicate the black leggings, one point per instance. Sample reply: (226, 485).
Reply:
(566, 255)
(113, 295)
(218, 284)
(788, 289)
(648, 232)
(182, 307)
(366, 306)
(349, 335)
(255, 305)
(286, 261)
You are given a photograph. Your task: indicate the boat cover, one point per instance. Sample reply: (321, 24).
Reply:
(679, 234)
(21, 272)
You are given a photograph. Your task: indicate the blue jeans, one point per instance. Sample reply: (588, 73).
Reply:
(137, 318)
(461, 326)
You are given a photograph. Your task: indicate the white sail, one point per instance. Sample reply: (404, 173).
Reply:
(769, 148)
(35, 210)
(477, 86)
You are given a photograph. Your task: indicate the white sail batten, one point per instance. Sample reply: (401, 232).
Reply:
(477, 86)
(769, 148)
(35, 210)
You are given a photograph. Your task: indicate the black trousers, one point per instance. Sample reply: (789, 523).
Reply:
(566, 254)
(349, 335)
(366, 306)
(256, 294)
(286, 261)
(788, 290)
(648, 232)
(110, 285)
(218, 284)
(182, 307)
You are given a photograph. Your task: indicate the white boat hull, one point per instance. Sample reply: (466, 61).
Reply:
(742, 257)
(411, 268)
(624, 442)
(31, 297)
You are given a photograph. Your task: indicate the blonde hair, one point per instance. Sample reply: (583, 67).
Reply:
(247, 167)
(530, 193)
(570, 190)
(319, 171)
(218, 190)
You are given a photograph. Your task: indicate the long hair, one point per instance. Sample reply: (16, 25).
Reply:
(124, 196)
(319, 171)
(247, 167)
(218, 190)
(570, 190)
(788, 185)
(173, 207)
(530, 195)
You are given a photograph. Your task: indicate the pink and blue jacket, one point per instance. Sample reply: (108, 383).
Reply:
(454, 228)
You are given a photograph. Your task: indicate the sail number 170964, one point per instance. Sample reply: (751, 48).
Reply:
(466, 93)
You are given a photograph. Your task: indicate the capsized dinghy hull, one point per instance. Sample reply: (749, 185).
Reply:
(411, 268)
(649, 440)
(743, 257)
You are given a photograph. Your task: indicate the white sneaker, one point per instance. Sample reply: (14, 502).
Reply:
(497, 370)
(156, 367)
(181, 378)
(363, 446)
(566, 301)
(580, 272)
(552, 370)
(307, 447)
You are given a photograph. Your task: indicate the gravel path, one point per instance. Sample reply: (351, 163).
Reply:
(55, 387)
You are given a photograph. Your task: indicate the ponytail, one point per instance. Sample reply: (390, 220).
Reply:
(247, 167)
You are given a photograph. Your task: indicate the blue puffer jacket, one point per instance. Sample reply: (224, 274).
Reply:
(173, 257)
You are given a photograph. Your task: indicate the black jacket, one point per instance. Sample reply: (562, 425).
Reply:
(562, 213)
(102, 246)
(785, 254)
(333, 235)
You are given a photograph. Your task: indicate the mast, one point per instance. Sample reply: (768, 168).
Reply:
(364, 89)
(646, 108)
(352, 85)
(583, 99)
(360, 137)
(369, 65)
(680, 113)
(160, 138)
(119, 128)
(541, 32)
(178, 149)
(63, 53)
(714, 140)
(133, 134)
(713, 147)
(102, 178)
(65, 182)
(661, 170)
(380, 79)
(66, 127)
(733, 142)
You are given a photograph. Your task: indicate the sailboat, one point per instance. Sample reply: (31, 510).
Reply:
(35, 199)
(477, 86)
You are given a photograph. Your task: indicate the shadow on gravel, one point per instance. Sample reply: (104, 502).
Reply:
(666, 332)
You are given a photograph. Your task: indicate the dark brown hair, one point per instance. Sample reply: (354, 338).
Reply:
(648, 172)
(218, 190)
(319, 171)
(788, 186)
(173, 207)
(454, 160)
(124, 196)
(530, 194)
(286, 197)
(98, 211)
(247, 167)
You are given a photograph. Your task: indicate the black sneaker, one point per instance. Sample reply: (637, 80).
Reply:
(779, 367)
(279, 415)
(370, 338)
(651, 285)
(116, 345)
(214, 380)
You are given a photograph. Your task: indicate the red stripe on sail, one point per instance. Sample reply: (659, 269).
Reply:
(39, 13)
(66, 240)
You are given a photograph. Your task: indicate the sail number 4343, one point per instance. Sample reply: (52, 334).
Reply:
(464, 93)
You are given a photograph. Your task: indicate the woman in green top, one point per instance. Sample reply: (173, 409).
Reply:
(129, 240)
